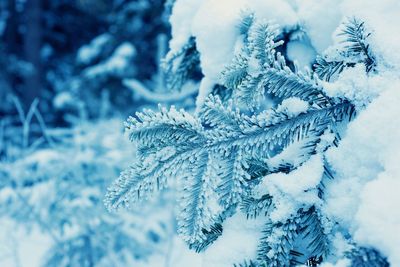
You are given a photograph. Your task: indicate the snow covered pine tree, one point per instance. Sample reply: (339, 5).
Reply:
(265, 121)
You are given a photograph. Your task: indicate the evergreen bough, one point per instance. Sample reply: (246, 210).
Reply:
(355, 50)
(219, 155)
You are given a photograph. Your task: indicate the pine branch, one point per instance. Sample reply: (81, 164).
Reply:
(277, 243)
(214, 231)
(253, 207)
(329, 70)
(172, 144)
(312, 233)
(180, 65)
(259, 69)
(366, 257)
(246, 264)
(356, 50)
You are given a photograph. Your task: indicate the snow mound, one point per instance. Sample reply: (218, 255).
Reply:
(364, 195)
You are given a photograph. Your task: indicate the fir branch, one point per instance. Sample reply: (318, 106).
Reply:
(209, 236)
(246, 264)
(312, 234)
(196, 219)
(219, 155)
(356, 41)
(215, 158)
(329, 70)
(253, 207)
(366, 257)
(284, 83)
(172, 135)
(276, 245)
(326, 177)
(246, 21)
(180, 65)
(234, 74)
(259, 69)
(356, 50)
(233, 182)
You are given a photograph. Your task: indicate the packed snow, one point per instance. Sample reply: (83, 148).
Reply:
(293, 106)
(294, 189)
(238, 242)
(364, 195)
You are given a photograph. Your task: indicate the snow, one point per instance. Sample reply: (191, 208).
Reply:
(291, 191)
(382, 18)
(88, 53)
(216, 30)
(206, 86)
(355, 85)
(364, 195)
(319, 30)
(301, 52)
(238, 242)
(117, 64)
(340, 263)
(181, 18)
(62, 100)
(19, 247)
(293, 106)
(378, 216)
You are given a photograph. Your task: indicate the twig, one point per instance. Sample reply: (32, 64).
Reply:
(43, 127)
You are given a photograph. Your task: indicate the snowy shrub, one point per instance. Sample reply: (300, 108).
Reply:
(130, 48)
(262, 166)
(58, 190)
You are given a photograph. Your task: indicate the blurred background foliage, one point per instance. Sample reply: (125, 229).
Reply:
(71, 72)
(73, 54)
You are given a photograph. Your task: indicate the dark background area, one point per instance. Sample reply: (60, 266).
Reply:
(40, 42)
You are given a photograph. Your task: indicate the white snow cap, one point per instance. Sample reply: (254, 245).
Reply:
(364, 195)
(294, 189)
